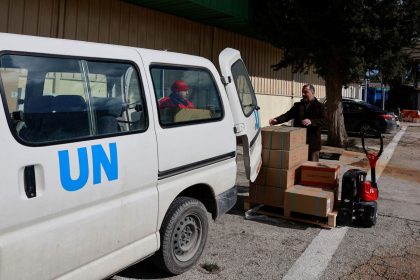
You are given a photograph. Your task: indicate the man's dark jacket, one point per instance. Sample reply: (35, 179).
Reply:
(315, 111)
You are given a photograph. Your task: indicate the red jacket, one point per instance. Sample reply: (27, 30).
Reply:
(170, 102)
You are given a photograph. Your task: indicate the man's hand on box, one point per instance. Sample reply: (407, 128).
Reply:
(272, 121)
(306, 122)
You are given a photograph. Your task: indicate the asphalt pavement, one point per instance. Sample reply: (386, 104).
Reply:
(391, 249)
(271, 248)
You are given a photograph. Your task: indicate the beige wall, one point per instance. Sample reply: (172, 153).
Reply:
(274, 106)
(120, 22)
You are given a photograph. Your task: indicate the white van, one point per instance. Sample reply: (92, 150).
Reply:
(97, 173)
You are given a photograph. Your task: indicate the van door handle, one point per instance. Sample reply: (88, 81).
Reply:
(29, 181)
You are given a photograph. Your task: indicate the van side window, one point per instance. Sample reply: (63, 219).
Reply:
(244, 87)
(185, 95)
(53, 99)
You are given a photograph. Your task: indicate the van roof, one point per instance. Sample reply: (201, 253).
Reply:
(37, 44)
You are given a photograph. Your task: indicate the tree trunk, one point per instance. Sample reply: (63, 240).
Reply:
(337, 135)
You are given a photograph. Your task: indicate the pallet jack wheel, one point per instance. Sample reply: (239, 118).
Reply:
(366, 213)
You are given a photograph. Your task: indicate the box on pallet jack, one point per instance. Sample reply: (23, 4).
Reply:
(319, 174)
(309, 200)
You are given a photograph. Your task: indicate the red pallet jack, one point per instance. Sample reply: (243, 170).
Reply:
(359, 196)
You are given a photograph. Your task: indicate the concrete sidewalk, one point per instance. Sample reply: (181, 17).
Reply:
(409, 124)
(246, 249)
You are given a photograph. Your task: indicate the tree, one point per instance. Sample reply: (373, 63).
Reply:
(340, 40)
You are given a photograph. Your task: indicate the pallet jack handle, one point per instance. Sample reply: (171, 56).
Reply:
(372, 157)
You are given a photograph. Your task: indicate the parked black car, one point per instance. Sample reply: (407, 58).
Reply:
(360, 115)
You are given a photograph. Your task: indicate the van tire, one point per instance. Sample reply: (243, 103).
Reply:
(185, 223)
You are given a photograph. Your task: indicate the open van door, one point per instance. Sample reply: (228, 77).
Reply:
(243, 103)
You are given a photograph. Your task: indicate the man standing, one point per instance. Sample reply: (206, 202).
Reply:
(309, 113)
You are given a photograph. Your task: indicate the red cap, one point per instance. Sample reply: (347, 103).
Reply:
(179, 85)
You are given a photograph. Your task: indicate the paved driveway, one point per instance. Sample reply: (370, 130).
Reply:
(272, 248)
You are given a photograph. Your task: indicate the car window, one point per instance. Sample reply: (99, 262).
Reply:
(185, 95)
(353, 108)
(53, 99)
(373, 107)
(346, 106)
(244, 87)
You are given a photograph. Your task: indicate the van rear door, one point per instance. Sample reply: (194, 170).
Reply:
(243, 103)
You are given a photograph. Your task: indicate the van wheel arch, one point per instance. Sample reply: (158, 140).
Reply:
(203, 193)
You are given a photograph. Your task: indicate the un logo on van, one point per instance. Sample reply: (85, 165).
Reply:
(99, 159)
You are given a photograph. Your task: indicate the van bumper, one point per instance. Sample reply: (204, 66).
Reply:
(225, 201)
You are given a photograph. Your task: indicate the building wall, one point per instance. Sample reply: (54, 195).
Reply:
(353, 91)
(123, 23)
(274, 106)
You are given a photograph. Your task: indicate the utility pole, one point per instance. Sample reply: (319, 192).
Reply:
(366, 90)
(383, 94)
(367, 76)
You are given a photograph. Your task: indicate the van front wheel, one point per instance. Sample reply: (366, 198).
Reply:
(183, 235)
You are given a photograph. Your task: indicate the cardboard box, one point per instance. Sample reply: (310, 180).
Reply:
(278, 178)
(283, 159)
(309, 200)
(319, 174)
(283, 137)
(270, 196)
(192, 114)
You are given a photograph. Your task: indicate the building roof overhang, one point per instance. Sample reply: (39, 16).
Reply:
(233, 15)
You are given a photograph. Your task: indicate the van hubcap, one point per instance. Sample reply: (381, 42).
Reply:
(187, 237)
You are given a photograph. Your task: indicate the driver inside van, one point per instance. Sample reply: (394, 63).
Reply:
(178, 98)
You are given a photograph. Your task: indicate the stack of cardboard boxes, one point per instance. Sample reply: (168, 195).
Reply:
(284, 149)
(317, 192)
(288, 180)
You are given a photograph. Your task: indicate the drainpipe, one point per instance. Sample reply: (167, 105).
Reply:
(383, 94)
(366, 90)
